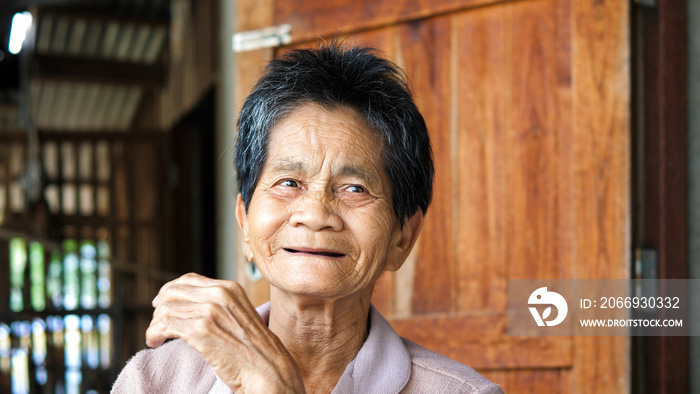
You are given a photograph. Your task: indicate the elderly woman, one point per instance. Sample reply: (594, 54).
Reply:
(335, 174)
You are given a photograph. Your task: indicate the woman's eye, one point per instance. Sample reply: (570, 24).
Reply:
(289, 183)
(356, 189)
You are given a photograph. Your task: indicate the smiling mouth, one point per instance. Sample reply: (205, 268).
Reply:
(314, 252)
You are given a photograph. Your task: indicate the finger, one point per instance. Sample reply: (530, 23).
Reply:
(197, 329)
(229, 295)
(158, 332)
(229, 318)
(193, 280)
(182, 322)
(160, 328)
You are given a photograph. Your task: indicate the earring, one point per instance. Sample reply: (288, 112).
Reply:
(252, 271)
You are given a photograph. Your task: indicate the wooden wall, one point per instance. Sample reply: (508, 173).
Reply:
(192, 65)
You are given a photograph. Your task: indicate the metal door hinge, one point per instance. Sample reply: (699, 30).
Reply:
(645, 268)
(645, 263)
(267, 37)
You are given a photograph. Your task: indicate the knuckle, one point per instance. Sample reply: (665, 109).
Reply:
(189, 275)
(200, 326)
(211, 311)
(220, 292)
(166, 290)
(235, 288)
(162, 309)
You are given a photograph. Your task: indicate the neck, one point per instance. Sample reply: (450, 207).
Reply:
(323, 336)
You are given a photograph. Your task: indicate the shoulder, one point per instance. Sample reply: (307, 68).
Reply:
(432, 372)
(172, 365)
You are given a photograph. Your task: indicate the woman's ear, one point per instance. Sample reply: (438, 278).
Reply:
(243, 224)
(407, 237)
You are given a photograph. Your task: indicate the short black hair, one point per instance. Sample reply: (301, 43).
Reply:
(332, 75)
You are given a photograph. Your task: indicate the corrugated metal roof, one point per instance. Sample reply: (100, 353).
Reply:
(70, 105)
(83, 106)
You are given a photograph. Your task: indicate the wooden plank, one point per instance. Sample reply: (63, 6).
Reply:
(319, 18)
(481, 341)
(479, 75)
(144, 179)
(535, 94)
(533, 381)
(600, 37)
(496, 376)
(565, 381)
(425, 48)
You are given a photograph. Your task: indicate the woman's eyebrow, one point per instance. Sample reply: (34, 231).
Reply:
(287, 165)
(360, 172)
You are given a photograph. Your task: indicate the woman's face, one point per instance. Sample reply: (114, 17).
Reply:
(321, 221)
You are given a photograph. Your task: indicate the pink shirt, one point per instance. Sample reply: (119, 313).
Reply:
(386, 363)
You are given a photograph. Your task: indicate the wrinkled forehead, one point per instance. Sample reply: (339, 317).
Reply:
(340, 130)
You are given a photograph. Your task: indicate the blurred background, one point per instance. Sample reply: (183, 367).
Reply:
(567, 145)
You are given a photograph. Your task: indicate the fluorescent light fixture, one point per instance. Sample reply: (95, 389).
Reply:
(21, 23)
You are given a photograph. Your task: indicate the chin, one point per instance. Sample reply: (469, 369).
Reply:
(313, 289)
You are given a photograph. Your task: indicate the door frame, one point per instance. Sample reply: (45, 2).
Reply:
(659, 175)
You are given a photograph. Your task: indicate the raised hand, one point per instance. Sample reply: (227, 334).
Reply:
(215, 318)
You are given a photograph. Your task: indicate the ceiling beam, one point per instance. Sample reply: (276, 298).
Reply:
(19, 5)
(108, 72)
(44, 3)
(93, 10)
(119, 17)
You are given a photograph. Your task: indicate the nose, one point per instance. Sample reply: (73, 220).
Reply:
(315, 211)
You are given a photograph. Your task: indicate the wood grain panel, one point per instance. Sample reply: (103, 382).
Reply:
(425, 48)
(601, 138)
(533, 381)
(600, 35)
(481, 341)
(313, 18)
(532, 130)
(496, 376)
(481, 79)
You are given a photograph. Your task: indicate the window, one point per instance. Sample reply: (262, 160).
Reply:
(58, 332)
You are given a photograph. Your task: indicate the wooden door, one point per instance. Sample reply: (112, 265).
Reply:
(527, 103)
